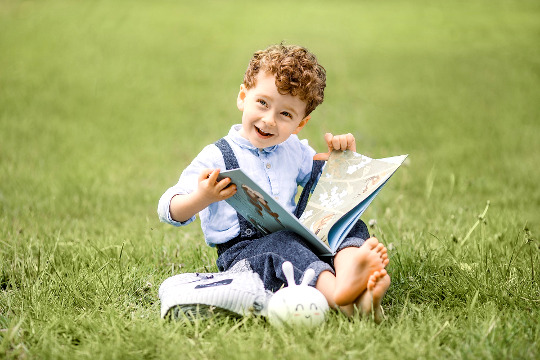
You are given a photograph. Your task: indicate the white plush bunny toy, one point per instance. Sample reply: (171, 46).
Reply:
(297, 304)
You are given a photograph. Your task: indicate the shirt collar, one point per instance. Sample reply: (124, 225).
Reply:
(243, 142)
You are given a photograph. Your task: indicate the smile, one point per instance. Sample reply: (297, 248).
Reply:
(262, 133)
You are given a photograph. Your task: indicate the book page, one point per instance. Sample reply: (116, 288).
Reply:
(347, 179)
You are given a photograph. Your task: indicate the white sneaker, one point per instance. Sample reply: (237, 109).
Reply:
(239, 291)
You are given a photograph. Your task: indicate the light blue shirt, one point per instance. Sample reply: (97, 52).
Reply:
(278, 170)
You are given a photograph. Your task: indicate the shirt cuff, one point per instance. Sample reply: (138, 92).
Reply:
(164, 211)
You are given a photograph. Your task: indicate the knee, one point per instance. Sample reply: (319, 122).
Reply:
(359, 230)
(289, 237)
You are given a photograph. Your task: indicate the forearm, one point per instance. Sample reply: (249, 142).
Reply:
(184, 207)
(209, 190)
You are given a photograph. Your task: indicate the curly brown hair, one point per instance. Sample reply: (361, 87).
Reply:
(297, 73)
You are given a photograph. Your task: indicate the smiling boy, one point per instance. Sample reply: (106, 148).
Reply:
(282, 86)
(268, 117)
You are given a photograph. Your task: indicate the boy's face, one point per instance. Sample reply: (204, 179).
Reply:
(269, 118)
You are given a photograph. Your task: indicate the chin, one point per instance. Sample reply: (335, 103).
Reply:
(263, 143)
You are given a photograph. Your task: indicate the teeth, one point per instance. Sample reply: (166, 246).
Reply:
(262, 132)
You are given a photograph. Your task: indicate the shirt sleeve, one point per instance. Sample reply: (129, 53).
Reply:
(208, 158)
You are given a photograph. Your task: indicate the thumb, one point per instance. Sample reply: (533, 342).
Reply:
(324, 156)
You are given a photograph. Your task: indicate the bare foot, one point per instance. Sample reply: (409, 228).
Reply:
(381, 249)
(353, 268)
(369, 302)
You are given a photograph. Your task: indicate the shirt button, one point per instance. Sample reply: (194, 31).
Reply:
(268, 165)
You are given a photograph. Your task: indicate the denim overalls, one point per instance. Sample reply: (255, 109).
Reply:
(266, 253)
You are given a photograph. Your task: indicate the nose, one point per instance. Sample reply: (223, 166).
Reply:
(270, 119)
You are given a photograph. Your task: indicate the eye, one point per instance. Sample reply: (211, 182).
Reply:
(299, 307)
(287, 114)
(262, 102)
(313, 307)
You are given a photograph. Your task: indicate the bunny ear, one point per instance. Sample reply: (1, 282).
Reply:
(289, 273)
(308, 276)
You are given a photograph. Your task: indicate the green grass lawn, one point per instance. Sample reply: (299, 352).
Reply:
(102, 104)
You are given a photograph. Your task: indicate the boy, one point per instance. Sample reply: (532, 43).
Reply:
(282, 86)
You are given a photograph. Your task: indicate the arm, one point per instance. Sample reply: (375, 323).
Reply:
(338, 142)
(208, 191)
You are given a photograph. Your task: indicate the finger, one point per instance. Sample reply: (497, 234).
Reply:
(228, 191)
(212, 178)
(343, 142)
(351, 141)
(328, 139)
(336, 143)
(223, 183)
(204, 174)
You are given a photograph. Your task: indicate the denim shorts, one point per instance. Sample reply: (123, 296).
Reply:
(266, 254)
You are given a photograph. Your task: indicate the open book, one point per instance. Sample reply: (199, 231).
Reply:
(348, 184)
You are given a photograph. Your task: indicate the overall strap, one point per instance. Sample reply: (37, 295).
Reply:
(228, 155)
(247, 230)
(303, 200)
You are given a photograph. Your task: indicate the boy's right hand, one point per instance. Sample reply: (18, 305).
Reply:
(211, 190)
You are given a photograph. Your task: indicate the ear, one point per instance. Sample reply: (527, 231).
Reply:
(241, 97)
(302, 124)
(308, 276)
(288, 270)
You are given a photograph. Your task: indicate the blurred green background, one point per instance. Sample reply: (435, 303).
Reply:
(114, 99)
(102, 104)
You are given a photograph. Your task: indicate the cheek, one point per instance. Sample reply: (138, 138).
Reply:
(286, 129)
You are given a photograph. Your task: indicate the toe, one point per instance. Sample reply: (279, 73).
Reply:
(372, 282)
(376, 276)
(371, 242)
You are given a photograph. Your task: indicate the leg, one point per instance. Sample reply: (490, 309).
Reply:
(267, 254)
(326, 284)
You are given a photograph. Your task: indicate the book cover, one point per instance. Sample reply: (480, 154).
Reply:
(347, 185)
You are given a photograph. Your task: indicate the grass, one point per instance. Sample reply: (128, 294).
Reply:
(102, 104)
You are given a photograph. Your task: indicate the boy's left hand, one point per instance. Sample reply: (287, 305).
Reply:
(338, 142)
